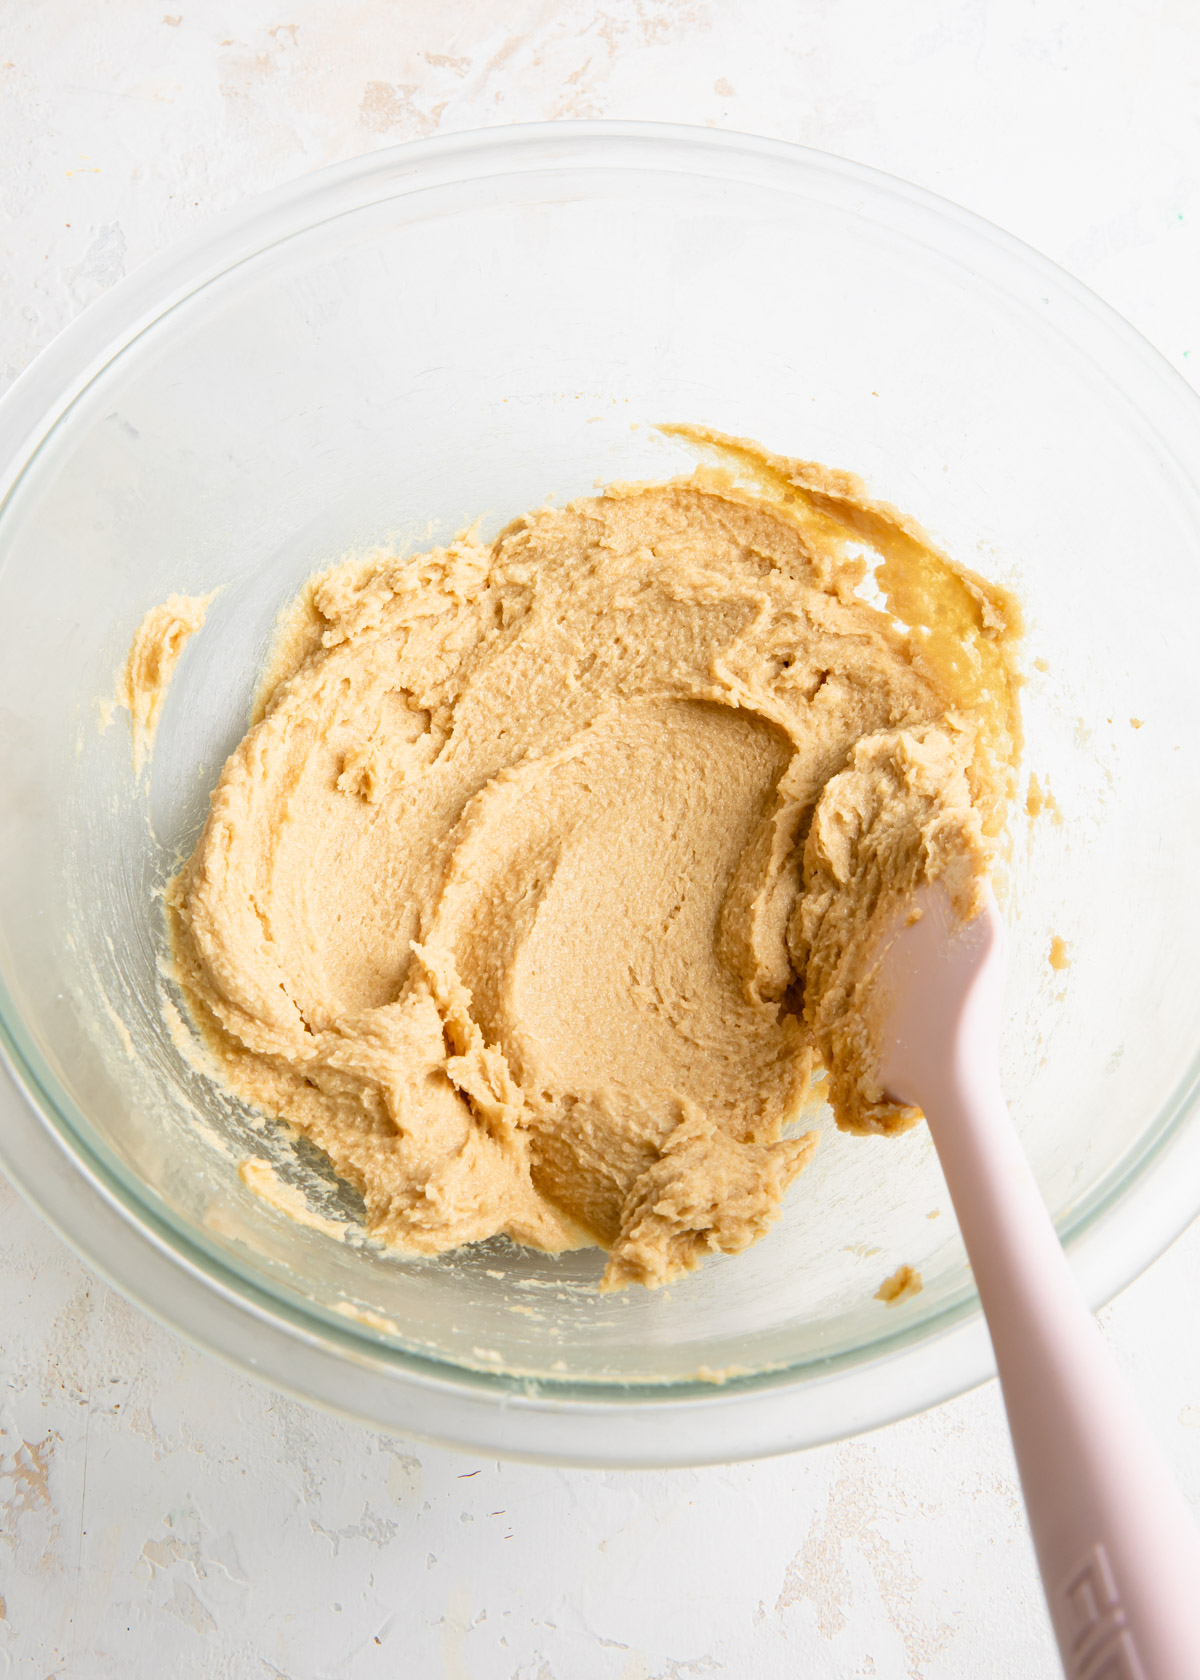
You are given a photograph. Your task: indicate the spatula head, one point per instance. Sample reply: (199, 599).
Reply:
(938, 994)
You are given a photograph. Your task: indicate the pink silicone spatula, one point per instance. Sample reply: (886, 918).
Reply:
(1117, 1548)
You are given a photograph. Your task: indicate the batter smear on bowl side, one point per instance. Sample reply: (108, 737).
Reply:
(546, 877)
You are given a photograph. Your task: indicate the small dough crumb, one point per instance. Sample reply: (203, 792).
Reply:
(904, 1283)
(1059, 953)
(153, 655)
(364, 1315)
(720, 1374)
(1136, 723)
(1039, 798)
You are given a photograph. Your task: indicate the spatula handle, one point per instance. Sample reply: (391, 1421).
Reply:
(1118, 1550)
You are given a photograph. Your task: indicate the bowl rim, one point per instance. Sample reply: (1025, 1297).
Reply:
(130, 1236)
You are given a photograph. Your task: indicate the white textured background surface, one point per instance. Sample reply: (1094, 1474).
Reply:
(162, 1518)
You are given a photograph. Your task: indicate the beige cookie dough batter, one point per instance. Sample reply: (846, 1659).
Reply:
(541, 886)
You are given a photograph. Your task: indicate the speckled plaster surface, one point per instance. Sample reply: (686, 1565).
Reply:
(160, 1517)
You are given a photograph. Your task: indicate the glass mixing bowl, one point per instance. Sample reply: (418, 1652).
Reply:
(454, 331)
